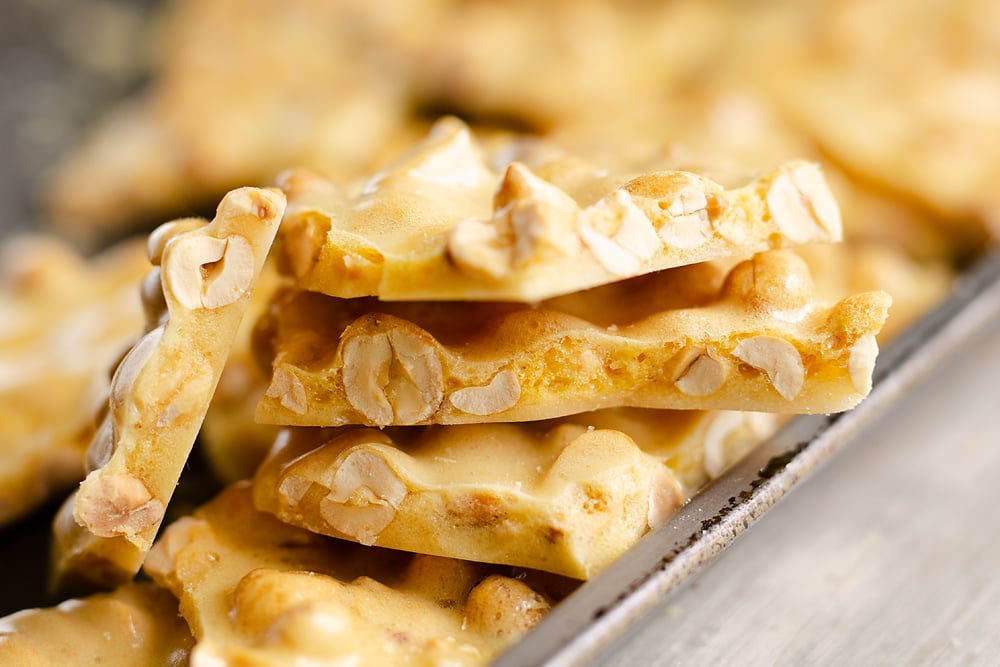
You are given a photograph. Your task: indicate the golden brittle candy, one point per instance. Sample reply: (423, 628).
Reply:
(64, 323)
(442, 223)
(563, 498)
(257, 591)
(765, 343)
(567, 495)
(136, 624)
(195, 299)
(731, 133)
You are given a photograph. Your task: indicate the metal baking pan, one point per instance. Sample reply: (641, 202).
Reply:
(590, 620)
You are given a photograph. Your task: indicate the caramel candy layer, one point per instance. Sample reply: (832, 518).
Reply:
(442, 223)
(136, 624)
(257, 591)
(195, 299)
(64, 323)
(563, 499)
(764, 343)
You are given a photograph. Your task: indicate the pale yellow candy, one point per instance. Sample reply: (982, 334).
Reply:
(136, 624)
(766, 342)
(232, 443)
(561, 498)
(904, 97)
(444, 223)
(195, 300)
(566, 495)
(234, 97)
(257, 591)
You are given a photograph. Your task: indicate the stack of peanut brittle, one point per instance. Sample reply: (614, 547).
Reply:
(492, 372)
(491, 290)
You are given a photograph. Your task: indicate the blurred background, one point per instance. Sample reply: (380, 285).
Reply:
(61, 64)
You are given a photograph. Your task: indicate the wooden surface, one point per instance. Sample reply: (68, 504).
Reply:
(888, 555)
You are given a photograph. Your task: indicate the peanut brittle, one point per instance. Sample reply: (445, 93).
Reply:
(136, 624)
(64, 322)
(257, 591)
(565, 496)
(195, 298)
(546, 65)
(441, 223)
(565, 500)
(765, 343)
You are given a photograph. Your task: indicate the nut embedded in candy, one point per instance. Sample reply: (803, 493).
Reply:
(162, 388)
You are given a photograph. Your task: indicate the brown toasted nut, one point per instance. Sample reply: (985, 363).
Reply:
(702, 376)
(393, 377)
(364, 494)
(227, 262)
(500, 394)
(504, 607)
(800, 201)
(118, 505)
(779, 359)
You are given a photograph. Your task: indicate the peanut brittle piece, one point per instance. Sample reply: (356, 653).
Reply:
(765, 343)
(566, 496)
(441, 223)
(195, 298)
(64, 323)
(257, 591)
(136, 624)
